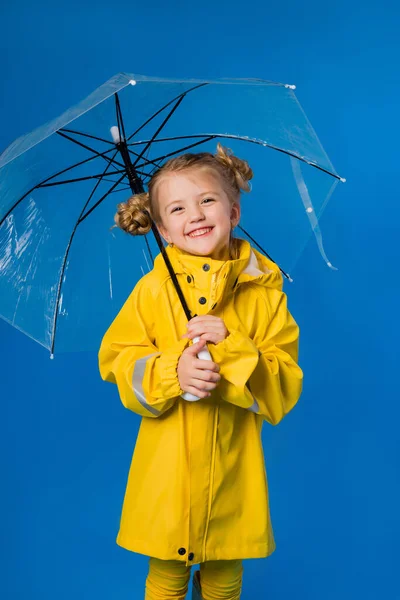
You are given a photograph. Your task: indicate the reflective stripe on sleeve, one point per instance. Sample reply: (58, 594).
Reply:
(137, 379)
(254, 407)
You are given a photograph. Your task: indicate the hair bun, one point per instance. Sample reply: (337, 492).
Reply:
(240, 168)
(133, 216)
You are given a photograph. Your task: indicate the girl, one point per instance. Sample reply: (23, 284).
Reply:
(197, 490)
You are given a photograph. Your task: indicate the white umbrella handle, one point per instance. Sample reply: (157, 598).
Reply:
(203, 355)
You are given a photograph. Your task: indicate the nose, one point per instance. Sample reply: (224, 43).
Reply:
(196, 213)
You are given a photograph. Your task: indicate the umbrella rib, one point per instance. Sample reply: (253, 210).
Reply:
(267, 145)
(264, 251)
(164, 107)
(82, 162)
(82, 218)
(87, 148)
(78, 164)
(44, 185)
(88, 135)
(243, 139)
(207, 139)
(178, 137)
(121, 190)
(14, 206)
(60, 281)
(88, 178)
(148, 162)
(177, 152)
(167, 118)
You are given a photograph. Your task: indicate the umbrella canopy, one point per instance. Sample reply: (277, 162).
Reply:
(63, 272)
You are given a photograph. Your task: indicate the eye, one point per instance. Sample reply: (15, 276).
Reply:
(176, 208)
(208, 200)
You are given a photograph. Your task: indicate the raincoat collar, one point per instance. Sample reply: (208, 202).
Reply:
(249, 265)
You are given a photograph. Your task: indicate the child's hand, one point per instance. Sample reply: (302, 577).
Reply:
(197, 376)
(208, 328)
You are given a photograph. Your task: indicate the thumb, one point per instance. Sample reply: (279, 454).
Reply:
(197, 346)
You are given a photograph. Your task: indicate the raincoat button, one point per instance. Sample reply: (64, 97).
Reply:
(182, 551)
(202, 300)
(206, 267)
(189, 279)
(191, 556)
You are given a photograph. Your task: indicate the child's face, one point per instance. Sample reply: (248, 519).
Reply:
(195, 199)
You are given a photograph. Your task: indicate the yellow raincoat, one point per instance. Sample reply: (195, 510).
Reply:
(197, 487)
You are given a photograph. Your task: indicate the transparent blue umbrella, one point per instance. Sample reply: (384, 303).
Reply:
(64, 273)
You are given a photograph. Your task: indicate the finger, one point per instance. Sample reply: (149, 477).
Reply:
(211, 337)
(203, 327)
(199, 393)
(190, 336)
(217, 323)
(206, 365)
(204, 319)
(208, 376)
(198, 332)
(198, 342)
(204, 386)
(196, 347)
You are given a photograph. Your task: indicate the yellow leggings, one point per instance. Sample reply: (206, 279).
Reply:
(220, 579)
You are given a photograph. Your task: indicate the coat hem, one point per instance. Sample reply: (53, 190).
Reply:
(143, 547)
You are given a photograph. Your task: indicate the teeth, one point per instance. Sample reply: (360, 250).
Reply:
(200, 232)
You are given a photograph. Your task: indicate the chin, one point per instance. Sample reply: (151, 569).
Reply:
(200, 251)
(202, 247)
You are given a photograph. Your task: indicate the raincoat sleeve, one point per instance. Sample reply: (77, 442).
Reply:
(146, 378)
(260, 373)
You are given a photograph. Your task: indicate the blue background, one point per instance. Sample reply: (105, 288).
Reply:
(333, 464)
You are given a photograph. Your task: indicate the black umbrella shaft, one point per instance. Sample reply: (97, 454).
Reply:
(134, 180)
(137, 187)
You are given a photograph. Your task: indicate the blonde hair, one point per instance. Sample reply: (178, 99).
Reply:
(134, 216)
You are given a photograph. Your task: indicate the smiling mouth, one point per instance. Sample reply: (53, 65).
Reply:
(200, 232)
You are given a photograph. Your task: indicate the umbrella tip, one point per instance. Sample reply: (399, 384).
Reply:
(342, 179)
(51, 356)
(330, 265)
(291, 87)
(132, 82)
(115, 134)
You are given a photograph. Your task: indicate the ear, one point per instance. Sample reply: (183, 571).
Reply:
(235, 213)
(164, 233)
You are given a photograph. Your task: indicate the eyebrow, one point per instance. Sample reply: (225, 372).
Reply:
(209, 193)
